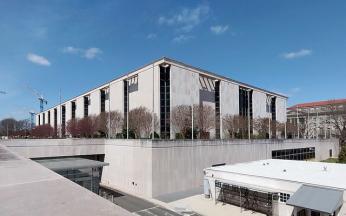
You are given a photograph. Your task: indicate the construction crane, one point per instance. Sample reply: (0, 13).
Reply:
(40, 98)
(32, 116)
(42, 102)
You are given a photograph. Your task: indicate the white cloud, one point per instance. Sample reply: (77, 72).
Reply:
(89, 53)
(182, 38)
(151, 36)
(71, 49)
(219, 29)
(187, 18)
(40, 60)
(92, 52)
(297, 54)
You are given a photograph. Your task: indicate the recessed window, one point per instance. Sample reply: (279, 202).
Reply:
(294, 154)
(86, 105)
(283, 197)
(73, 109)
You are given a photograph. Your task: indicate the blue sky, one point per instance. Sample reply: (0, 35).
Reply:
(293, 47)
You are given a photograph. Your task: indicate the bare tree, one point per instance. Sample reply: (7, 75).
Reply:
(338, 119)
(291, 129)
(8, 126)
(87, 126)
(181, 119)
(233, 124)
(101, 124)
(116, 122)
(261, 126)
(140, 122)
(148, 127)
(204, 118)
(42, 131)
(14, 128)
(280, 127)
(72, 128)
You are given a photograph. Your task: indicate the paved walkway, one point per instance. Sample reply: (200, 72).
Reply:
(207, 207)
(137, 205)
(30, 189)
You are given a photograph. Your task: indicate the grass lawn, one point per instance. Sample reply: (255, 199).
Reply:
(331, 160)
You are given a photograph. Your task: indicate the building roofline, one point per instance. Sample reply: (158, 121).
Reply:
(318, 103)
(169, 60)
(223, 77)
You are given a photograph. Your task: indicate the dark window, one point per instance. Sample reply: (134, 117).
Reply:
(302, 213)
(273, 113)
(283, 197)
(49, 117)
(55, 121)
(217, 109)
(126, 102)
(315, 213)
(39, 119)
(165, 102)
(103, 100)
(330, 153)
(63, 120)
(44, 119)
(294, 154)
(258, 201)
(73, 109)
(86, 106)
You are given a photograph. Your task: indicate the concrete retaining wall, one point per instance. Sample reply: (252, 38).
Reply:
(153, 168)
(37, 148)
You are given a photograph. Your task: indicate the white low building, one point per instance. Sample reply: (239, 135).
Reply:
(280, 187)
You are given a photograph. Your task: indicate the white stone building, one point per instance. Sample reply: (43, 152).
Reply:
(318, 119)
(164, 84)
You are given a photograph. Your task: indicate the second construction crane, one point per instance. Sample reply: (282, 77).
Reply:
(40, 97)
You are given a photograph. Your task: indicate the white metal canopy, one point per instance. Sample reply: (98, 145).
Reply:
(317, 198)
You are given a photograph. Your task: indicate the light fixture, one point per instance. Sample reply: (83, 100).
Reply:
(165, 65)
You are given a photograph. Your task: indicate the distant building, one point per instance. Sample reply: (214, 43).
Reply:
(280, 187)
(164, 84)
(317, 119)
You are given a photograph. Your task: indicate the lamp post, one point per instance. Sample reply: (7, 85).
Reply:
(317, 124)
(192, 123)
(60, 113)
(297, 123)
(126, 82)
(153, 112)
(109, 110)
(308, 124)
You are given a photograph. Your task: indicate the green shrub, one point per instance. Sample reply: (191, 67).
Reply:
(179, 136)
(342, 154)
